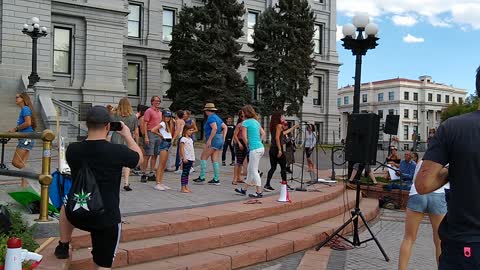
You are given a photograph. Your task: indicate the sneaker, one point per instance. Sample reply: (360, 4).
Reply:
(136, 171)
(199, 180)
(214, 182)
(192, 170)
(241, 191)
(159, 187)
(255, 195)
(62, 251)
(177, 171)
(152, 177)
(223, 163)
(165, 187)
(268, 188)
(127, 188)
(288, 170)
(143, 178)
(233, 163)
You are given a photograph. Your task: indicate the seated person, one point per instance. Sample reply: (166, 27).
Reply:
(393, 160)
(407, 168)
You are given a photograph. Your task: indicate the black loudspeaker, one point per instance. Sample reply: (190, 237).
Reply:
(362, 138)
(83, 110)
(391, 124)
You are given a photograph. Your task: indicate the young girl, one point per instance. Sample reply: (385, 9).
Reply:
(187, 155)
(165, 131)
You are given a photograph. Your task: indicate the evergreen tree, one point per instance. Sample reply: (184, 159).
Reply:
(283, 48)
(205, 58)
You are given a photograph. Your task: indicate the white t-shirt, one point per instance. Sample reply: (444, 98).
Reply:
(189, 152)
(413, 190)
(310, 140)
(163, 131)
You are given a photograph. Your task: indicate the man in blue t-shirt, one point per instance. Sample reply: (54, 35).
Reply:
(215, 131)
(456, 143)
(407, 168)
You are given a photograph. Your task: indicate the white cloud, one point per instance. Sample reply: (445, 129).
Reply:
(404, 20)
(440, 13)
(412, 39)
(339, 32)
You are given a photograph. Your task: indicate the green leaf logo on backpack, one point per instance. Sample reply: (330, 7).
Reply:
(82, 200)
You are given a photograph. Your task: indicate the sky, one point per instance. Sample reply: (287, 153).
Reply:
(439, 38)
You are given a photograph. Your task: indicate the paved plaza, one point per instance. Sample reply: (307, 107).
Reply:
(144, 199)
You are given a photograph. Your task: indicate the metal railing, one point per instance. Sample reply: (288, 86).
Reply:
(45, 177)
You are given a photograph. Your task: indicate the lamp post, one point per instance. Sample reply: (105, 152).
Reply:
(34, 31)
(355, 41)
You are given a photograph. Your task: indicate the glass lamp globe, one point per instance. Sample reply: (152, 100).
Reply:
(361, 19)
(348, 30)
(371, 29)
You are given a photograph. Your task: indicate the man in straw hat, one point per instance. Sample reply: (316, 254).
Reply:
(215, 132)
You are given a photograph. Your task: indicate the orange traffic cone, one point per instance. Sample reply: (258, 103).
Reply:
(284, 196)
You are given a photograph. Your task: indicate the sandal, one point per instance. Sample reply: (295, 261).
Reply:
(254, 201)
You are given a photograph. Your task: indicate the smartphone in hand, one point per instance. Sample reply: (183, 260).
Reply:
(115, 126)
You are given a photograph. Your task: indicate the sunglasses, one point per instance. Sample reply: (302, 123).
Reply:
(17, 96)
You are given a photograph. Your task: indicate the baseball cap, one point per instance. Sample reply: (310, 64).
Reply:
(98, 115)
(167, 113)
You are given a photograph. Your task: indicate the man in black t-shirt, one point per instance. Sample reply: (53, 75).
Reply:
(106, 161)
(228, 142)
(456, 143)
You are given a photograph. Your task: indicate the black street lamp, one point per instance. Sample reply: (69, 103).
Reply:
(34, 31)
(359, 45)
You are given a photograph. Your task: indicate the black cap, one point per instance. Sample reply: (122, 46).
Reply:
(98, 115)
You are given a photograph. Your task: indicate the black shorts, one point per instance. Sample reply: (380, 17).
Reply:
(457, 255)
(308, 151)
(104, 244)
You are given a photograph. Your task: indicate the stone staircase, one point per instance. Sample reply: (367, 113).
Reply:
(226, 236)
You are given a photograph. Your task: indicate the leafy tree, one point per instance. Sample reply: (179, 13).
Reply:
(454, 109)
(205, 58)
(283, 49)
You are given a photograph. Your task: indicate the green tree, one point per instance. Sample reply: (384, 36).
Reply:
(454, 109)
(205, 58)
(283, 49)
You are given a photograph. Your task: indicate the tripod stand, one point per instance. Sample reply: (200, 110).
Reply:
(356, 214)
(3, 141)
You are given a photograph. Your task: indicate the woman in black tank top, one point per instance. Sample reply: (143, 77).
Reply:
(277, 148)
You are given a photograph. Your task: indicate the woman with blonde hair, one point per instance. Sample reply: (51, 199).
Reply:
(124, 113)
(26, 123)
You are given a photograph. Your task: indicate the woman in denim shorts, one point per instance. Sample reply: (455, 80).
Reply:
(165, 131)
(25, 123)
(434, 205)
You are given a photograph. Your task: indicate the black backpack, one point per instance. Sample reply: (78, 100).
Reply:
(84, 202)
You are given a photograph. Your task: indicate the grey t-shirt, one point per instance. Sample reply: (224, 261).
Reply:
(457, 142)
(130, 121)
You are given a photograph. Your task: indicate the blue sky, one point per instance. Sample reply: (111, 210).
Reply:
(440, 38)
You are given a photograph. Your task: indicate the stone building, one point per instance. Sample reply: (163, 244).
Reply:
(419, 104)
(99, 51)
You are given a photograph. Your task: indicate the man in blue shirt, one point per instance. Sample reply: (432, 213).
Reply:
(407, 168)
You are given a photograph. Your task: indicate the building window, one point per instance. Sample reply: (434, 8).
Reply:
(168, 23)
(62, 44)
(405, 113)
(460, 100)
(405, 132)
(391, 112)
(345, 100)
(339, 102)
(252, 20)
(252, 83)
(415, 114)
(453, 99)
(317, 39)
(364, 98)
(430, 97)
(380, 97)
(415, 96)
(133, 84)
(439, 98)
(380, 114)
(406, 95)
(447, 99)
(134, 20)
(391, 96)
(317, 91)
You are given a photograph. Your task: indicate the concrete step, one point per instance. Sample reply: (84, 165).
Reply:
(151, 249)
(258, 251)
(201, 218)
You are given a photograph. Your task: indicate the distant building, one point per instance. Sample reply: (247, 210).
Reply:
(97, 52)
(418, 102)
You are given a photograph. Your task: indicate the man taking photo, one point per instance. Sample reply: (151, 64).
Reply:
(106, 161)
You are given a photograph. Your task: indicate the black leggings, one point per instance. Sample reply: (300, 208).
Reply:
(274, 160)
(228, 144)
